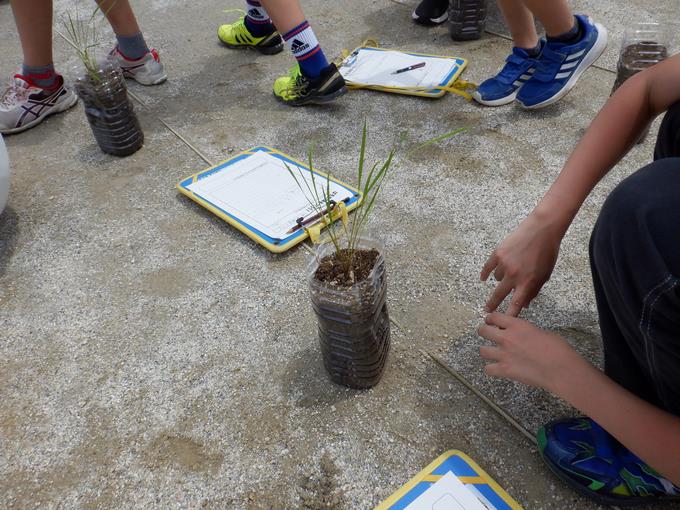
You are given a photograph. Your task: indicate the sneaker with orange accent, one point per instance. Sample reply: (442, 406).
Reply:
(146, 70)
(23, 104)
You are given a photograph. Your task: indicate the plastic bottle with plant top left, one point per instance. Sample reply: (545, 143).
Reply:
(4, 175)
(101, 86)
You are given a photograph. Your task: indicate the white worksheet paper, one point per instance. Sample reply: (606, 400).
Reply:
(448, 493)
(260, 192)
(370, 67)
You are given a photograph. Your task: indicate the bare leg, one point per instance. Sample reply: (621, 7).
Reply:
(34, 23)
(555, 15)
(520, 21)
(285, 14)
(120, 15)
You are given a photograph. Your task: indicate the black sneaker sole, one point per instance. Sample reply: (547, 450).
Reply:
(265, 50)
(429, 22)
(314, 99)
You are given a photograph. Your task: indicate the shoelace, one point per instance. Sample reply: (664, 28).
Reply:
(298, 81)
(14, 93)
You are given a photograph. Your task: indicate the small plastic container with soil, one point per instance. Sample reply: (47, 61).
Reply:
(353, 322)
(109, 111)
(644, 45)
(467, 19)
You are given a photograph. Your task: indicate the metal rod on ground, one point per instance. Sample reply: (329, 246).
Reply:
(393, 321)
(145, 106)
(499, 410)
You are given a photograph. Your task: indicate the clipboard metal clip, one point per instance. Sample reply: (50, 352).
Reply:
(338, 211)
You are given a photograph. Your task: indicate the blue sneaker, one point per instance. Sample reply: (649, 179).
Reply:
(560, 66)
(503, 88)
(586, 457)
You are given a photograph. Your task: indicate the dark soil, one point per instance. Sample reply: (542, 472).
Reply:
(330, 270)
(636, 57)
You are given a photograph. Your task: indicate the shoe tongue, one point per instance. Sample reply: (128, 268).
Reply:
(22, 81)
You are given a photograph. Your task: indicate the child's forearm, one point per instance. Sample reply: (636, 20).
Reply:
(613, 132)
(615, 129)
(650, 433)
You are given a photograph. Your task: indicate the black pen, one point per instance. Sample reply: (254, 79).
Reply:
(301, 222)
(410, 68)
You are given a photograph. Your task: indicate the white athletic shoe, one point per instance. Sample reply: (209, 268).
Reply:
(23, 104)
(147, 70)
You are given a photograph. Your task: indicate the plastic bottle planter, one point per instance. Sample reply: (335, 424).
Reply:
(354, 326)
(467, 19)
(644, 45)
(110, 112)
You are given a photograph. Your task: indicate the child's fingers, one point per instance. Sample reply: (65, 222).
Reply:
(491, 333)
(519, 301)
(489, 266)
(490, 353)
(499, 294)
(500, 320)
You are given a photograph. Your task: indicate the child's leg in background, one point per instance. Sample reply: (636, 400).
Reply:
(573, 44)
(119, 13)
(38, 90)
(291, 23)
(520, 21)
(520, 65)
(555, 15)
(34, 23)
(314, 80)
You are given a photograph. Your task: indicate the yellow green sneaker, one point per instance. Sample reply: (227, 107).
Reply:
(236, 35)
(296, 89)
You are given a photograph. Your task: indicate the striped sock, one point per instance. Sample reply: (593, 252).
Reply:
(132, 47)
(257, 20)
(43, 76)
(305, 48)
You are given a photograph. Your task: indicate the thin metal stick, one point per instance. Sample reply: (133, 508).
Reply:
(499, 410)
(399, 326)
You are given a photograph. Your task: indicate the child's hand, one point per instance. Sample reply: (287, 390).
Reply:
(527, 354)
(523, 261)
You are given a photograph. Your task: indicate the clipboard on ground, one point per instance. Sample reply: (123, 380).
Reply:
(255, 193)
(399, 72)
(487, 491)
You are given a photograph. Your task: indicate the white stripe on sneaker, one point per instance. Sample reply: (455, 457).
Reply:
(576, 55)
(569, 65)
(562, 76)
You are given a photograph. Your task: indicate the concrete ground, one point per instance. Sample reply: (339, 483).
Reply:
(153, 357)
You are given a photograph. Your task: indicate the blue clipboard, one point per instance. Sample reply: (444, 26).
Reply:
(276, 245)
(466, 470)
(451, 82)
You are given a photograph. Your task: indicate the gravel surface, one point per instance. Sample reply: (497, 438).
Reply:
(153, 357)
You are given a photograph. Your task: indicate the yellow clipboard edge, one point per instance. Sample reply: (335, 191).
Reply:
(406, 488)
(274, 248)
(406, 91)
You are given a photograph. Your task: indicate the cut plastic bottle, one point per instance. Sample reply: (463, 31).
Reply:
(467, 19)
(353, 322)
(110, 112)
